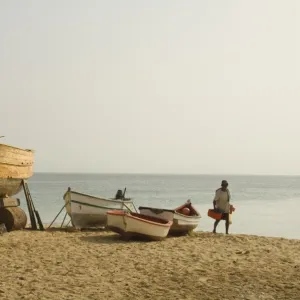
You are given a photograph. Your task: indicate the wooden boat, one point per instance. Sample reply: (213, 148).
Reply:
(88, 211)
(135, 225)
(185, 217)
(15, 164)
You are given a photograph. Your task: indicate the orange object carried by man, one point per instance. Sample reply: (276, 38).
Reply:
(231, 209)
(215, 214)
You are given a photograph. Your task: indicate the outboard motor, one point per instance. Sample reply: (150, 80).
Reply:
(119, 195)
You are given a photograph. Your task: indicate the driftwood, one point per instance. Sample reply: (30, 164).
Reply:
(14, 218)
(9, 202)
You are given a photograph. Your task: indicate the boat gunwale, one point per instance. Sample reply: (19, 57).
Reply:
(175, 212)
(98, 198)
(14, 147)
(15, 165)
(129, 215)
(187, 203)
(190, 217)
(94, 205)
(156, 208)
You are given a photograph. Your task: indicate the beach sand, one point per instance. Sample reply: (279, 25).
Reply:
(98, 265)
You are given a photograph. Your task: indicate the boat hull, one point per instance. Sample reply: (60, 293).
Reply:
(10, 186)
(15, 164)
(182, 224)
(165, 214)
(87, 211)
(133, 225)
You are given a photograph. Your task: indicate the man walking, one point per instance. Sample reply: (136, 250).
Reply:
(221, 202)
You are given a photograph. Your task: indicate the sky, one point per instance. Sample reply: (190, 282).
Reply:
(152, 86)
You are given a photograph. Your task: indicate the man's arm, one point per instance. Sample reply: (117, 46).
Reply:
(216, 199)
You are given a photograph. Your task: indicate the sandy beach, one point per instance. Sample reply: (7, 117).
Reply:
(98, 265)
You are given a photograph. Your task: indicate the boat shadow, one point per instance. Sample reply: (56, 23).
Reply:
(73, 229)
(110, 239)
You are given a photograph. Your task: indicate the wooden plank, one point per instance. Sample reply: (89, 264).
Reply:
(11, 171)
(9, 202)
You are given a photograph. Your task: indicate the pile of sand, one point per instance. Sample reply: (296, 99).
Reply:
(98, 265)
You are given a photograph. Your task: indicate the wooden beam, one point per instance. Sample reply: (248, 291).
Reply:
(9, 202)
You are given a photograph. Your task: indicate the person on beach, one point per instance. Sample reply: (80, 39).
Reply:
(221, 204)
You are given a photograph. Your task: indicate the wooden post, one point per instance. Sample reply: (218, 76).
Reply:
(135, 208)
(57, 215)
(63, 220)
(30, 208)
(127, 207)
(123, 196)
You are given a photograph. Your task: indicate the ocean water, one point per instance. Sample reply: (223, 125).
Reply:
(265, 205)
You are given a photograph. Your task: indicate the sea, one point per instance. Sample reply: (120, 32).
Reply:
(265, 205)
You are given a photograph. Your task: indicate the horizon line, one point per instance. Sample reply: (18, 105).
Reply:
(165, 174)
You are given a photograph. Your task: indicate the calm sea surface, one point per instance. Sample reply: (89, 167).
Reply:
(265, 205)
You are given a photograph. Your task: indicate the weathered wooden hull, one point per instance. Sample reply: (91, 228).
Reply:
(15, 172)
(10, 186)
(15, 164)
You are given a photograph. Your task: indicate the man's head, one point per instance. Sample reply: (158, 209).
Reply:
(224, 184)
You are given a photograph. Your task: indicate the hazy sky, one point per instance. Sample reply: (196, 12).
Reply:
(152, 86)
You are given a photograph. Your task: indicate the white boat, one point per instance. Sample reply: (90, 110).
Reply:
(185, 217)
(135, 225)
(88, 211)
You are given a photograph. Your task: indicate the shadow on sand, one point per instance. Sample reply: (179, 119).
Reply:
(112, 238)
(73, 229)
(109, 239)
(117, 239)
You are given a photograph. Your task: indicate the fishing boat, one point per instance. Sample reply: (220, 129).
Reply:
(185, 217)
(134, 225)
(88, 211)
(16, 164)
